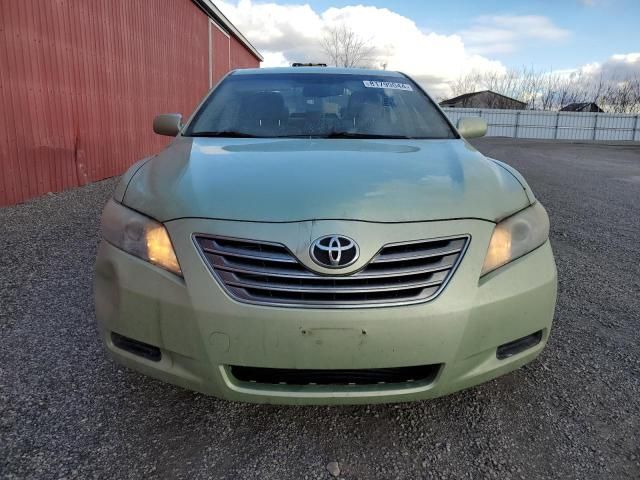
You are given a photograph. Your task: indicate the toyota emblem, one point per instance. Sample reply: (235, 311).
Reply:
(334, 251)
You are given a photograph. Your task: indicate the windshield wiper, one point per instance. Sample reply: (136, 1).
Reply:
(361, 135)
(222, 133)
(236, 134)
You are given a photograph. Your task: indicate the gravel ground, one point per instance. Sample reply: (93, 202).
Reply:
(66, 410)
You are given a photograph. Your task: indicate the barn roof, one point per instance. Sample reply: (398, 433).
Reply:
(465, 96)
(581, 107)
(215, 14)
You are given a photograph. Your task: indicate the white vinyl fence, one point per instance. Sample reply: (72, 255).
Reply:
(553, 125)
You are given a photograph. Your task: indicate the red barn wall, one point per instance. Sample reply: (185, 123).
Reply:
(221, 57)
(240, 56)
(80, 83)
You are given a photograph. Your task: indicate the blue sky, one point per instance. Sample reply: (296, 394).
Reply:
(597, 29)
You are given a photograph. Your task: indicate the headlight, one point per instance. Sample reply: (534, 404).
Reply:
(139, 235)
(516, 236)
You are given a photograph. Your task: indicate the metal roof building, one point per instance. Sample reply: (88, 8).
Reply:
(582, 107)
(484, 99)
(80, 83)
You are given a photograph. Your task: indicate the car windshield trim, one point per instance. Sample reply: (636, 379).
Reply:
(332, 135)
(222, 133)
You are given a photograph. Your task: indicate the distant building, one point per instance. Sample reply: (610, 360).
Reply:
(582, 107)
(484, 99)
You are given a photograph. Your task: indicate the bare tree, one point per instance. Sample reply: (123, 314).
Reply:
(622, 95)
(552, 91)
(345, 48)
(465, 84)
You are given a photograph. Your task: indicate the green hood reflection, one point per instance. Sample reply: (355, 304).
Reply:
(284, 180)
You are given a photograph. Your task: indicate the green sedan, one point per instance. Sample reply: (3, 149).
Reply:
(322, 236)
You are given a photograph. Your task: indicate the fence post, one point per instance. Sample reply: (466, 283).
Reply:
(595, 127)
(635, 128)
(517, 124)
(555, 132)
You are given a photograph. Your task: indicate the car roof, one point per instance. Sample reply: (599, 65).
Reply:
(317, 70)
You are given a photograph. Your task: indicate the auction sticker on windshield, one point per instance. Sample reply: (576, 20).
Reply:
(390, 85)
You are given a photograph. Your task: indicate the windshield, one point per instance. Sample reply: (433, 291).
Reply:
(319, 106)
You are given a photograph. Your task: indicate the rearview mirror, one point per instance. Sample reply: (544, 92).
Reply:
(168, 124)
(472, 127)
(321, 90)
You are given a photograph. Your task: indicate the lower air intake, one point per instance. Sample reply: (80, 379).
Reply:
(520, 345)
(135, 347)
(371, 376)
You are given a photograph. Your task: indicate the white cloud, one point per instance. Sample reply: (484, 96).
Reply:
(291, 33)
(274, 59)
(616, 68)
(628, 58)
(491, 34)
(292, 30)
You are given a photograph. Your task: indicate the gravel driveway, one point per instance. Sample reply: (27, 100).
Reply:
(66, 410)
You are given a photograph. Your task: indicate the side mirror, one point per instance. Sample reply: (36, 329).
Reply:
(472, 127)
(168, 124)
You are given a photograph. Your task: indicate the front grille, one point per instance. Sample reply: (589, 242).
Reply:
(268, 273)
(371, 376)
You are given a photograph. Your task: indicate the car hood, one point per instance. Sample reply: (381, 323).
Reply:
(285, 180)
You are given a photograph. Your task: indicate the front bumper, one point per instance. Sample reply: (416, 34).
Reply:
(201, 331)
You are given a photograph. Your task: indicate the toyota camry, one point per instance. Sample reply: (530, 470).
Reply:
(323, 235)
